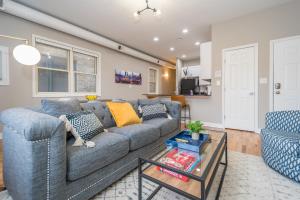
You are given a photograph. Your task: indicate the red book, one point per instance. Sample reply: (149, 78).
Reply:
(178, 159)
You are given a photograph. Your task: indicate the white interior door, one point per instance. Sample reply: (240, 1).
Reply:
(286, 84)
(239, 88)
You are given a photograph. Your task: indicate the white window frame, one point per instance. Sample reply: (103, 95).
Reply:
(5, 65)
(71, 86)
(157, 74)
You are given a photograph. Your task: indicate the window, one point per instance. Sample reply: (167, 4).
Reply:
(65, 70)
(153, 81)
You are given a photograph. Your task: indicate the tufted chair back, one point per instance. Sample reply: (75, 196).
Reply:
(287, 121)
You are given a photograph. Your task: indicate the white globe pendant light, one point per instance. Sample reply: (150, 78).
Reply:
(26, 54)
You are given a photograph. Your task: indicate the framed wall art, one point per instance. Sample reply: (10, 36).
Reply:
(128, 77)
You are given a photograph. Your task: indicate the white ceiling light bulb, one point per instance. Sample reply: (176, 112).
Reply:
(26, 54)
(183, 56)
(197, 43)
(155, 39)
(172, 49)
(185, 30)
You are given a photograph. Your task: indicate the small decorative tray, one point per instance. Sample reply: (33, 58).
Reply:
(183, 140)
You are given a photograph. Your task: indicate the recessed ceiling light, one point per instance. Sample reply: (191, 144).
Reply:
(172, 49)
(197, 43)
(183, 56)
(185, 30)
(155, 39)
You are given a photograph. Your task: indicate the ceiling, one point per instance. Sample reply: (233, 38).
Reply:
(114, 19)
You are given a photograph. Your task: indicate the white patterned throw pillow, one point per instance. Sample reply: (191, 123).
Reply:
(153, 111)
(84, 126)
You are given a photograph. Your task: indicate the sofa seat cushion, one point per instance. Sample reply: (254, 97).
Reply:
(82, 161)
(165, 125)
(287, 143)
(139, 135)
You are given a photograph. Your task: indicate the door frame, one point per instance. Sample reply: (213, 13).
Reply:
(255, 46)
(271, 68)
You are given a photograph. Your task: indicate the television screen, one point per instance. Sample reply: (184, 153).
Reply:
(188, 84)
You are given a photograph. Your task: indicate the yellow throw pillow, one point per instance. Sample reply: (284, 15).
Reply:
(123, 113)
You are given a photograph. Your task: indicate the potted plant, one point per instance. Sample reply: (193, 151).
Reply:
(196, 127)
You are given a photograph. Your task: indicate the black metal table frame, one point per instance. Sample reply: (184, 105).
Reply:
(202, 179)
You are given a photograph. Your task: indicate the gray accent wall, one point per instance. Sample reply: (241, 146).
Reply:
(19, 92)
(260, 27)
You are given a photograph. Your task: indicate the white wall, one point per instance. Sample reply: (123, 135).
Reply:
(19, 92)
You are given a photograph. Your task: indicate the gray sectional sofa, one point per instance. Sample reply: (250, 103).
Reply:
(40, 163)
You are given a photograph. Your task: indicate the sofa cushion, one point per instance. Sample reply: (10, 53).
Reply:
(143, 102)
(139, 135)
(123, 113)
(101, 111)
(153, 111)
(288, 143)
(86, 124)
(135, 106)
(165, 125)
(60, 107)
(82, 161)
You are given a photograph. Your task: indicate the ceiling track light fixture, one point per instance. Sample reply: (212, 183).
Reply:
(155, 11)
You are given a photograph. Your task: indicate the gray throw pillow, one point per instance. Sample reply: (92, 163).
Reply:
(60, 107)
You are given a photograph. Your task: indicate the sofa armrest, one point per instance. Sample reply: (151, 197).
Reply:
(33, 125)
(174, 108)
(34, 148)
(287, 121)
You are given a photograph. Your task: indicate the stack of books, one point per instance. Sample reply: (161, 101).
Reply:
(182, 160)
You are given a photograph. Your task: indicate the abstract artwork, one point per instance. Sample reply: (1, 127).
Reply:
(128, 77)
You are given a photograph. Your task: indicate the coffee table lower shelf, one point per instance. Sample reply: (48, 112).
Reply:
(197, 188)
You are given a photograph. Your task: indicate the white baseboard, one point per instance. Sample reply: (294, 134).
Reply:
(214, 125)
(210, 125)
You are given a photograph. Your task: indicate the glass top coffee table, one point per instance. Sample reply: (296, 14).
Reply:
(194, 182)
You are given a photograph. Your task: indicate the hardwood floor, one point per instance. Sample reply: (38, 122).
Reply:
(240, 141)
(243, 141)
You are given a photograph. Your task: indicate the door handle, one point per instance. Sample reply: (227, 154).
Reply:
(251, 93)
(277, 86)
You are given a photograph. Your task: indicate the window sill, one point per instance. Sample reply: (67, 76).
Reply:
(62, 95)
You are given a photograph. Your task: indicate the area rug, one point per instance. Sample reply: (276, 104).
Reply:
(247, 178)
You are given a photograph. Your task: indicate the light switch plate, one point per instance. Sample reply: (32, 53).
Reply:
(218, 74)
(218, 82)
(263, 81)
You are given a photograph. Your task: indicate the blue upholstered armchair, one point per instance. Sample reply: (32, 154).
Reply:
(281, 143)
